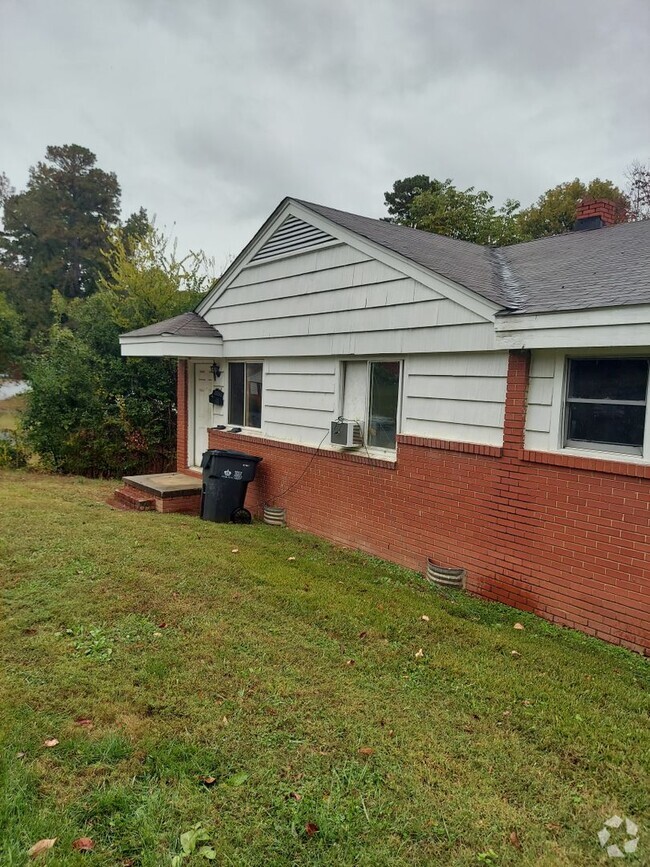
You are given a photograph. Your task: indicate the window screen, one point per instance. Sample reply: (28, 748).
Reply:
(245, 401)
(384, 397)
(606, 403)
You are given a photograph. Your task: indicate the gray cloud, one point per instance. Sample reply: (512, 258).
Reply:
(211, 112)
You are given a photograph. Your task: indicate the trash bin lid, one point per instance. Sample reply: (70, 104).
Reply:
(227, 453)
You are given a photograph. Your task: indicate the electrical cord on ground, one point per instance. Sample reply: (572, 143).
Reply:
(309, 463)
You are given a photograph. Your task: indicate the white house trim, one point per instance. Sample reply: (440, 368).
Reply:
(171, 346)
(603, 327)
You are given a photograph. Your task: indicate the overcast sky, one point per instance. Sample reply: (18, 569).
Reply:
(211, 111)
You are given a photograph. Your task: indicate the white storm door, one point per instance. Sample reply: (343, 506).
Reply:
(203, 387)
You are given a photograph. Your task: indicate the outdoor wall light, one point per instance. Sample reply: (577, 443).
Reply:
(216, 370)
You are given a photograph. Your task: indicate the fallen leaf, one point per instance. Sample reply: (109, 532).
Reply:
(362, 634)
(514, 840)
(50, 742)
(425, 617)
(526, 703)
(208, 781)
(518, 626)
(515, 653)
(349, 662)
(84, 722)
(42, 846)
(366, 751)
(553, 826)
(20, 755)
(225, 720)
(235, 551)
(162, 625)
(507, 713)
(296, 796)
(157, 635)
(419, 654)
(311, 828)
(83, 844)
(291, 559)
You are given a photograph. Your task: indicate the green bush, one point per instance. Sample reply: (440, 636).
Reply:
(13, 454)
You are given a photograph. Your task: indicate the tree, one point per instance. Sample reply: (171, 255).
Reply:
(555, 210)
(638, 190)
(438, 206)
(6, 189)
(399, 201)
(92, 411)
(464, 214)
(57, 231)
(11, 335)
(148, 282)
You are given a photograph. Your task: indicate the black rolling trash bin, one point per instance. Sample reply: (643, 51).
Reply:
(226, 476)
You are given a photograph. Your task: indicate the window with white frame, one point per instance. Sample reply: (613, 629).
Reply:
(371, 396)
(605, 404)
(245, 393)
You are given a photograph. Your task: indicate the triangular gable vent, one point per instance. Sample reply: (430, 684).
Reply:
(292, 236)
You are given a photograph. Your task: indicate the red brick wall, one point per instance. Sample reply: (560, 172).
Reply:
(569, 541)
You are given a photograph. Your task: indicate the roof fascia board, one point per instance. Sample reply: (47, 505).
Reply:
(454, 291)
(630, 314)
(583, 329)
(171, 346)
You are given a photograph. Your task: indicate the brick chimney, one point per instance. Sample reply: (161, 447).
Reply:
(596, 213)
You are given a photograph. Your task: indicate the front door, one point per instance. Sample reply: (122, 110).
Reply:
(203, 386)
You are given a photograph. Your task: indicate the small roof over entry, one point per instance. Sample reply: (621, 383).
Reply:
(181, 336)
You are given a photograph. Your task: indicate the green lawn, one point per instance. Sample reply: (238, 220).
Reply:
(299, 686)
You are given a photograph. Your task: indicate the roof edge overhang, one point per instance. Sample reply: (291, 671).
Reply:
(171, 346)
(623, 326)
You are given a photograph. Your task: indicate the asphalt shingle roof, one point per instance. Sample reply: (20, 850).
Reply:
(185, 325)
(606, 267)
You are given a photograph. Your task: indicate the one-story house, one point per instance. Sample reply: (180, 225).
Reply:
(497, 399)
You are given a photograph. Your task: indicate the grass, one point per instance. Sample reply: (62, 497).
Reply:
(269, 675)
(10, 410)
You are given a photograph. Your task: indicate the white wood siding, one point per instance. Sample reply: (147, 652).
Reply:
(338, 301)
(539, 414)
(299, 398)
(457, 396)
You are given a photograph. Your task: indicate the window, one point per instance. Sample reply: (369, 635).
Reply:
(606, 404)
(383, 403)
(245, 394)
(370, 392)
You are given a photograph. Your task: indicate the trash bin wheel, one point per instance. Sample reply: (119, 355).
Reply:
(241, 516)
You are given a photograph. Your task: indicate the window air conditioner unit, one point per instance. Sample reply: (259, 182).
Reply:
(346, 434)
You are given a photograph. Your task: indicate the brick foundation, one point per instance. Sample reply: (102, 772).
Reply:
(566, 538)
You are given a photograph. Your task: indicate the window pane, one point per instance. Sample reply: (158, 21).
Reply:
(606, 423)
(236, 394)
(608, 378)
(384, 393)
(254, 395)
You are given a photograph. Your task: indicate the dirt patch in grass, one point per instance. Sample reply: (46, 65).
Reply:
(402, 740)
